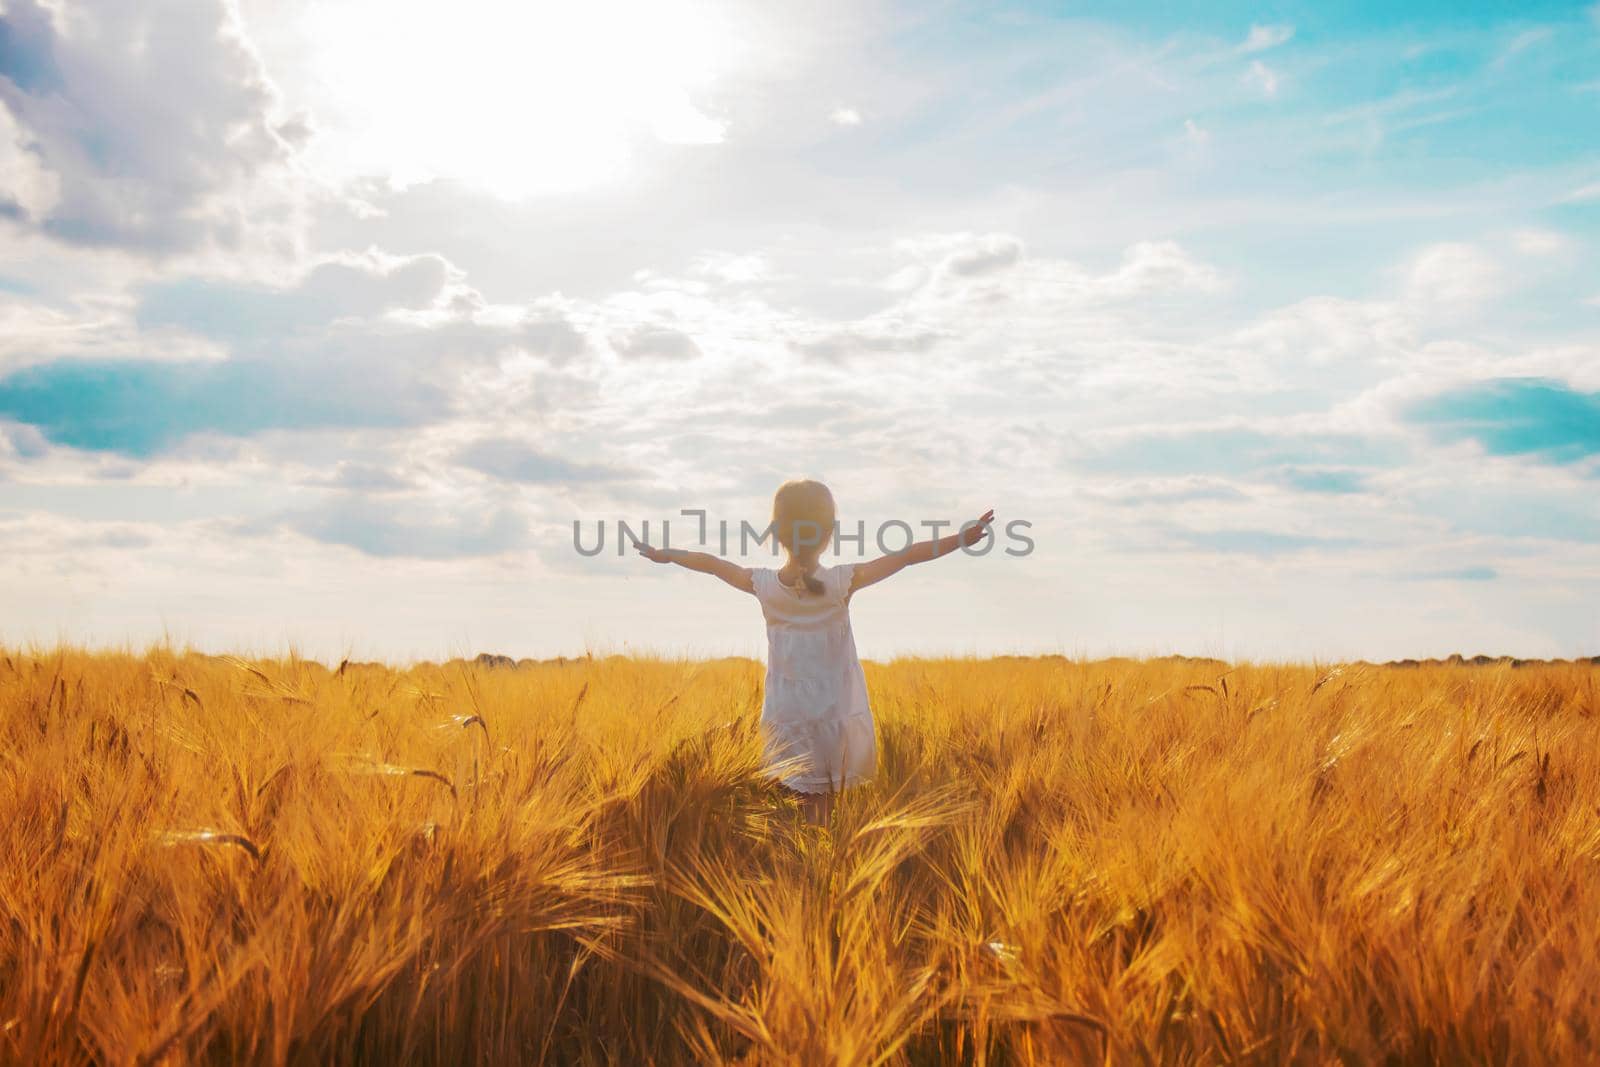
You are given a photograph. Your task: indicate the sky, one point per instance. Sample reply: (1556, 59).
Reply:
(1277, 325)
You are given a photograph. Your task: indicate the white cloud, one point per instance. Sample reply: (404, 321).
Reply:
(676, 120)
(1340, 342)
(732, 268)
(28, 189)
(23, 442)
(1261, 38)
(845, 116)
(907, 278)
(1196, 134)
(1532, 241)
(32, 331)
(1159, 266)
(1263, 77)
(1522, 42)
(1584, 193)
(1455, 273)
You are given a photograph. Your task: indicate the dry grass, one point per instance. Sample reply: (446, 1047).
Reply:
(211, 860)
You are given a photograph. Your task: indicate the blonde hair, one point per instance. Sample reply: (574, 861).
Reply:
(802, 519)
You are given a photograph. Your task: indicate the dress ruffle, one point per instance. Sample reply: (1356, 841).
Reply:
(819, 755)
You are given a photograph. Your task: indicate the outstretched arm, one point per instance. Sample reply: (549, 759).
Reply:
(878, 569)
(704, 562)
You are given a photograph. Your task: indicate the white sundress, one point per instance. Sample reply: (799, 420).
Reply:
(814, 715)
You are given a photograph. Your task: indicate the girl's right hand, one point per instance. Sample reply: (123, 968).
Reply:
(654, 555)
(977, 530)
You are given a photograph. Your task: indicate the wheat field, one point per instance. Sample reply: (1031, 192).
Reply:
(208, 860)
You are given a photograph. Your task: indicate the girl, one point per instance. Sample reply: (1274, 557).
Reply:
(814, 712)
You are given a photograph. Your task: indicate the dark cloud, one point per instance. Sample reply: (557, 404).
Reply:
(1141, 495)
(366, 477)
(1260, 543)
(335, 296)
(551, 336)
(654, 342)
(329, 291)
(390, 528)
(320, 354)
(151, 141)
(25, 442)
(864, 341)
(989, 255)
(517, 461)
(26, 56)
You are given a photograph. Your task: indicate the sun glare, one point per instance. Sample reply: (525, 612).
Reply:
(514, 98)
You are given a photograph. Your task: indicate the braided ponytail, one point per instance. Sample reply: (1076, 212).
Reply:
(802, 517)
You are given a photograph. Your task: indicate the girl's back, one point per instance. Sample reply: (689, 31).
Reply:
(815, 711)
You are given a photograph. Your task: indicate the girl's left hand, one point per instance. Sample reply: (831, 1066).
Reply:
(979, 529)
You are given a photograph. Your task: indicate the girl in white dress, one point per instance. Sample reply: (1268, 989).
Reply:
(814, 713)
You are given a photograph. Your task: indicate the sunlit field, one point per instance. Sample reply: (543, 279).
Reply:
(1165, 861)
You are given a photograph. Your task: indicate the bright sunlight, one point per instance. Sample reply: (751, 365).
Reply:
(517, 99)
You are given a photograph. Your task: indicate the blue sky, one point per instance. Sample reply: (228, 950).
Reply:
(1280, 324)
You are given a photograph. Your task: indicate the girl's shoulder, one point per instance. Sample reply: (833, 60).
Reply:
(837, 578)
(763, 580)
(835, 581)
